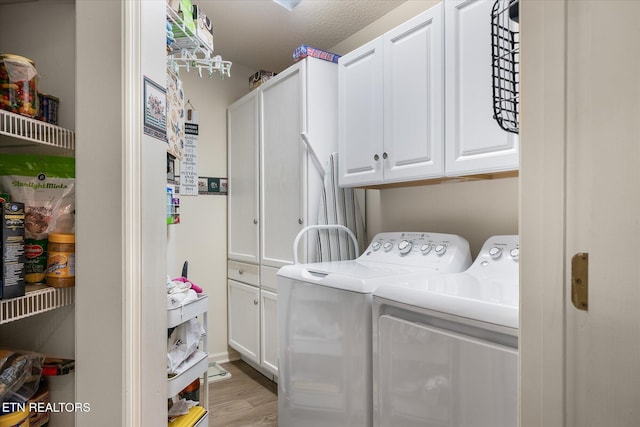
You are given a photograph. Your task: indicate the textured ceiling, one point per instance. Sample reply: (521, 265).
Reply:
(262, 35)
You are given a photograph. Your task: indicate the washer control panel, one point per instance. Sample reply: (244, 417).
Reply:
(418, 249)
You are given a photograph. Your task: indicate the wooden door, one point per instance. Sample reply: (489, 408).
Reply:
(579, 194)
(603, 211)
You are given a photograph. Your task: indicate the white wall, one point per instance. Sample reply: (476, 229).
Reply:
(474, 210)
(201, 236)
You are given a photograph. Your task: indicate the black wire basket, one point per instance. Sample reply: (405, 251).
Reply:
(505, 64)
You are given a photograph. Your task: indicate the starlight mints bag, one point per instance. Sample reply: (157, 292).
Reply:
(45, 184)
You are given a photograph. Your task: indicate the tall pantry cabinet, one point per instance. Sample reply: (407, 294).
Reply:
(275, 181)
(93, 56)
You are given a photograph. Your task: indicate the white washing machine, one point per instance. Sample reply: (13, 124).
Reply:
(445, 348)
(324, 325)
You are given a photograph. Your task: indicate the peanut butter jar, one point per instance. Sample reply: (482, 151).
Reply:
(61, 260)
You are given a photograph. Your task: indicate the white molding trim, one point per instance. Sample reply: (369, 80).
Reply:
(131, 211)
(542, 387)
(223, 357)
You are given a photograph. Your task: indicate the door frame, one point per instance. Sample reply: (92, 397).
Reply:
(542, 213)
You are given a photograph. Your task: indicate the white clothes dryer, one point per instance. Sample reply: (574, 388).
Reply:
(445, 348)
(324, 325)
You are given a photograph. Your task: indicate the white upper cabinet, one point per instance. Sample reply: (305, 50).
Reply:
(242, 128)
(390, 105)
(413, 99)
(475, 142)
(416, 103)
(360, 109)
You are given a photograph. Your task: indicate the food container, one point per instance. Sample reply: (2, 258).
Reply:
(12, 221)
(35, 263)
(303, 51)
(18, 85)
(61, 260)
(48, 108)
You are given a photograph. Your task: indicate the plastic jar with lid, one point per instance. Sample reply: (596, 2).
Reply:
(18, 85)
(61, 260)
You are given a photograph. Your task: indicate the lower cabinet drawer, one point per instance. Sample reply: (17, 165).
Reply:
(242, 272)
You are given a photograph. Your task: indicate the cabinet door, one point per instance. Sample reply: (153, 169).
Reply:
(360, 110)
(244, 319)
(281, 102)
(242, 128)
(269, 330)
(414, 99)
(475, 143)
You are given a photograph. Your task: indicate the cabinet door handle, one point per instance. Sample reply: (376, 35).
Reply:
(255, 302)
(385, 155)
(376, 157)
(300, 221)
(255, 221)
(240, 272)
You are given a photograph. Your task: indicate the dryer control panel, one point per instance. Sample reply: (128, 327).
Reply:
(498, 257)
(420, 249)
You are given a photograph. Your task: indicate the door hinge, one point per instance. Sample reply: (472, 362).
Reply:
(580, 281)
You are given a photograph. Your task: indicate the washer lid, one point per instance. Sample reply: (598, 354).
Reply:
(491, 299)
(355, 275)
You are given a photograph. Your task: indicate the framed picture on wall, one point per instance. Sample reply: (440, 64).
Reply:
(155, 110)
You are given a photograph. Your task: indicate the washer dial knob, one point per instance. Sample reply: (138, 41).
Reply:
(515, 254)
(405, 247)
(441, 249)
(426, 248)
(495, 252)
(387, 246)
(375, 246)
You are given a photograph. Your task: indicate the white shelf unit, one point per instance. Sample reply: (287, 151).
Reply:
(19, 132)
(198, 363)
(24, 131)
(190, 53)
(35, 302)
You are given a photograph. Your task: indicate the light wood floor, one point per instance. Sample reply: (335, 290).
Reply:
(246, 399)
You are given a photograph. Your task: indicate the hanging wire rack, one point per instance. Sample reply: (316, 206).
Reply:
(505, 63)
(189, 53)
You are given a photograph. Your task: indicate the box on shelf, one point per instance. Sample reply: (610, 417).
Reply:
(12, 215)
(259, 77)
(174, 4)
(204, 27)
(184, 35)
(48, 108)
(303, 51)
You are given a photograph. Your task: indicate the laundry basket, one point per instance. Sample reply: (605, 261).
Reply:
(505, 63)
